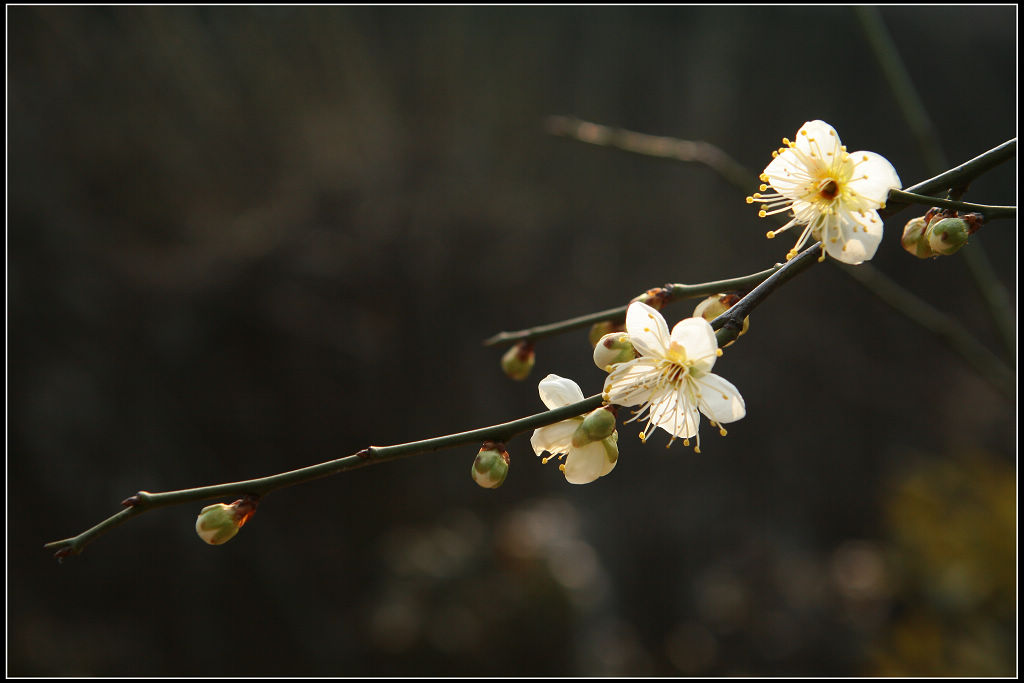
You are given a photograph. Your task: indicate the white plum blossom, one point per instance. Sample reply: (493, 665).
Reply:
(833, 193)
(672, 380)
(585, 463)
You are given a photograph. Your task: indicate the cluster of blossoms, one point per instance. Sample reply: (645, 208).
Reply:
(665, 377)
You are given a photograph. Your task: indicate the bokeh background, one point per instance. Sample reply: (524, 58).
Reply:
(245, 240)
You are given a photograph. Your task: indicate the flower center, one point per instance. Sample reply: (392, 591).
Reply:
(828, 189)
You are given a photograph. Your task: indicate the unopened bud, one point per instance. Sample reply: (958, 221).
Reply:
(218, 524)
(914, 239)
(599, 330)
(491, 465)
(948, 235)
(656, 298)
(518, 361)
(596, 426)
(717, 304)
(613, 348)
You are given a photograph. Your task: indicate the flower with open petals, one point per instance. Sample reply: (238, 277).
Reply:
(834, 194)
(590, 459)
(672, 379)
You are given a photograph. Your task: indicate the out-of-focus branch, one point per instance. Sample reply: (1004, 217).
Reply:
(916, 115)
(696, 151)
(949, 331)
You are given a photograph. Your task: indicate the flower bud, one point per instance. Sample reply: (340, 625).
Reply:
(491, 465)
(613, 348)
(717, 304)
(599, 330)
(655, 297)
(948, 235)
(596, 426)
(218, 524)
(518, 361)
(914, 239)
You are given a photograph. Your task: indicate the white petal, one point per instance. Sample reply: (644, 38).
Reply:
(791, 175)
(558, 392)
(855, 237)
(584, 465)
(872, 179)
(632, 383)
(720, 400)
(818, 140)
(556, 438)
(647, 330)
(697, 337)
(676, 414)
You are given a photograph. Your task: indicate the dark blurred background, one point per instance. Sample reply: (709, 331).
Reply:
(245, 240)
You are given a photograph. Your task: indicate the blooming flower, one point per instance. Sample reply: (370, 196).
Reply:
(672, 378)
(583, 463)
(834, 194)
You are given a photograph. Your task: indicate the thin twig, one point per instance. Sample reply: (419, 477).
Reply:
(144, 501)
(989, 212)
(668, 294)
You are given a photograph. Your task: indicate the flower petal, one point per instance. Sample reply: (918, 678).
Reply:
(819, 141)
(558, 392)
(647, 330)
(791, 174)
(855, 237)
(696, 336)
(719, 399)
(632, 383)
(556, 438)
(676, 414)
(872, 179)
(586, 464)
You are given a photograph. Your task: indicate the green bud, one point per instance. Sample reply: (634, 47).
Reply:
(613, 348)
(597, 425)
(599, 330)
(518, 361)
(914, 239)
(717, 304)
(948, 235)
(491, 465)
(217, 524)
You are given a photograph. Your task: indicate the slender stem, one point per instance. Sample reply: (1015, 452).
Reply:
(952, 333)
(959, 176)
(656, 146)
(144, 501)
(729, 324)
(989, 212)
(670, 293)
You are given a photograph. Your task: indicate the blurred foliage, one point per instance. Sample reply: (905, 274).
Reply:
(953, 525)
